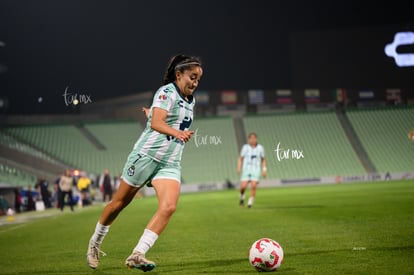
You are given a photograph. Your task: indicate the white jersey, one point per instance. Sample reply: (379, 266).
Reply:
(252, 157)
(160, 147)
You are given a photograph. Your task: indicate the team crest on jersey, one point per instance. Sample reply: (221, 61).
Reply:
(131, 170)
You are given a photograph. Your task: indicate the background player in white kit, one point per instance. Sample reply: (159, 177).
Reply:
(155, 160)
(251, 165)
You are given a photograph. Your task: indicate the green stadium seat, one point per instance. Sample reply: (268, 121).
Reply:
(383, 133)
(326, 149)
(211, 155)
(68, 144)
(12, 143)
(12, 176)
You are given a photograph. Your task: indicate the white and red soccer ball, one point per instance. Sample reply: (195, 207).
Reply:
(266, 255)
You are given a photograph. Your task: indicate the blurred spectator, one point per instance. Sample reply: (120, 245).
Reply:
(4, 206)
(31, 206)
(42, 187)
(66, 185)
(117, 182)
(388, 176)
(93, 186)
(106, 186)
(83, 186)
(57, 193)
(17, 200)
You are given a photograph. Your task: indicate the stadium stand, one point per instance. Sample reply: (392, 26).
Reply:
(383, 133)
(15, 144)
(13, 176)
(61, 141)
(118, 139)
(325, 147)
(66, 143)
(211, 155)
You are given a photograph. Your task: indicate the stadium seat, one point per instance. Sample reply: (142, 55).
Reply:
(68, 144)
(383, 133)
(211, 155)
(12, 143)
(325, 147)
(13, 176)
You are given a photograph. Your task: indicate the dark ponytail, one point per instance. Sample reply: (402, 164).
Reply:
(180, 63)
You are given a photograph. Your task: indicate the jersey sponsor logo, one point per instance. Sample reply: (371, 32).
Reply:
(181, 104)
(162, 97)
(185, 124)
(166, 90)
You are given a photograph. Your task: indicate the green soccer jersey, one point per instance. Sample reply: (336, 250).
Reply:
(160, 147)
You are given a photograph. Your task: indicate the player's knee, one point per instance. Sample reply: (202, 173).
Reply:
(116, 205)
(169, 209)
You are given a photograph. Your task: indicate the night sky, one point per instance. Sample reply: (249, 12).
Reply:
(112, 48)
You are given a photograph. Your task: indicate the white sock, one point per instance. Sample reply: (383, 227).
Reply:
(241, 196)
(100, 232)
(251, 200)
(146, 241)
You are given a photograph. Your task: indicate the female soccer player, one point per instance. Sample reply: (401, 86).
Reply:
(155, 160)
(251, 164)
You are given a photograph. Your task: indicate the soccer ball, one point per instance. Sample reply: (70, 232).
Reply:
(266, 255)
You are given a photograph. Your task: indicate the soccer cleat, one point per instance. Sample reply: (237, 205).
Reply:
(249, 206)
(92, 255)
(137, 260)
(241, 202)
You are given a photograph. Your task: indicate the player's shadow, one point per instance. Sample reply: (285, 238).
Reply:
(195, 267)
(203, 266)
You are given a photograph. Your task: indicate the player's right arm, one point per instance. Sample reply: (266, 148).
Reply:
(241, 158)
(239, 164)
(146, 111)
(158, 124)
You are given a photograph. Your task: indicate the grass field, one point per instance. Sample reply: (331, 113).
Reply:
(365, 228)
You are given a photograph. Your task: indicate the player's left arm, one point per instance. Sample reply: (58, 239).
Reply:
(264, 167)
